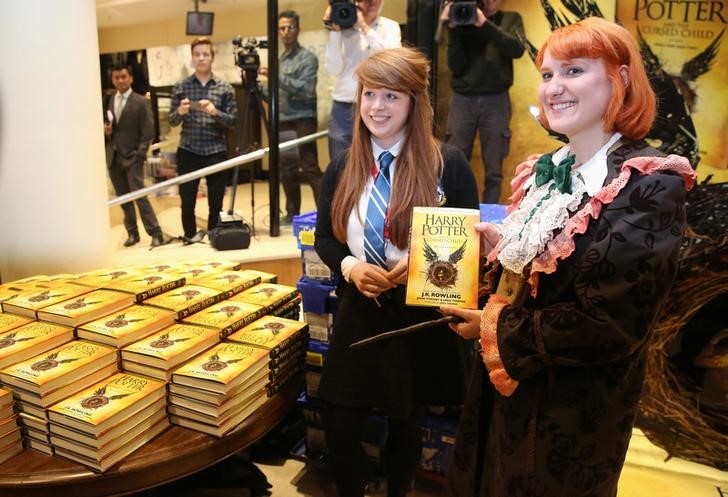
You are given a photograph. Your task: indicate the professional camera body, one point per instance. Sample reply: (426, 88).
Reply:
(343, 13)
(463, 13)
(246, 54)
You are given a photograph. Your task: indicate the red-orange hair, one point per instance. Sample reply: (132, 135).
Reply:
(633, 107)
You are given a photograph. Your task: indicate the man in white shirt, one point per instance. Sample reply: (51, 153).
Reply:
(346, 48)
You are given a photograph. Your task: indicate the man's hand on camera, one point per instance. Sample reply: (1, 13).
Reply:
(184, 107)
(445, 14)
(328, 24)
(208, 107)
(361, 23)
(263, 71)
(480, 19)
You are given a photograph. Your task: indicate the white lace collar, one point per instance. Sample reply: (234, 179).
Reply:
(594, 171)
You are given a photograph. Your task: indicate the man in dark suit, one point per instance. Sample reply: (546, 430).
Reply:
(129, 130)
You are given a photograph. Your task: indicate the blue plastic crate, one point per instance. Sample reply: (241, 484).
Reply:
(438, 439)
(303, 227)
(492, 213)
(315, 294)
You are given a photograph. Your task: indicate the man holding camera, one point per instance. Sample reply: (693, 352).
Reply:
(356, 31)
(297, 80)
(205, 106)
(483, 41)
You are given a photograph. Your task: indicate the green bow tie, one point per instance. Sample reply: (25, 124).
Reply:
(561, 174)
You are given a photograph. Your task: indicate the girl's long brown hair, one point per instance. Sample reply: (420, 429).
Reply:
(419, 164)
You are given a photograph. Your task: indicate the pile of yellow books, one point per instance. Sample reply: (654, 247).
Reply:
(285, 340)
(226, 316)
(270, 296)
(86, 307)
(10, 440)
(146, 285)
(106, 422)
(215, 391)
(28, 303)
(230, 282)
(160, 353)
(45, 379)
(121, 328)
(29, 339)
(187, 300)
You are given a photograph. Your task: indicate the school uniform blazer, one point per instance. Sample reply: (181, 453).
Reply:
(427, 367)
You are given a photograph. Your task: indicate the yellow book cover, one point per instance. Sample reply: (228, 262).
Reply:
(170, 346)
(103, 277)
(270, 332)
(267, 295)
(107, 403)
(163, 268)
(31, 339)
(129, 325)
(290, 309)
(222, 367)
(12, 290)
(85, 308)
(230, 282)
(194, 273)
(28, 303)
(226, 316)
(11, 321)
(187, 300)
(443, 257)
(146, 285)
(221, 265)
(58, 367)
(264, 276)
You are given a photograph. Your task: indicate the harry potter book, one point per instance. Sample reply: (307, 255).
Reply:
(28, 303)
(443, 257)
(187, 300)
(145, 417)
(105, 462)
(221, 265)
(271, 333)
(103, 277)
(107, 403)
(264, 276)
(215, 412)
(267, 295)
(147, 285)
(62, 366)
(11, 321)
(86, 307)
(33, 422)
(170, 346)
(11, 290)
(218, 430)
(290, 309)
(194, 273)
(126, 326)
(221, 368)
(217, 399)
(8, 422)
(230, 282)
(226, 316)
(30, 340)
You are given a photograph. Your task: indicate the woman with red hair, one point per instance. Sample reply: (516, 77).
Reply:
(586, 258)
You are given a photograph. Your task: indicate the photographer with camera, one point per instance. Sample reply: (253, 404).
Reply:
(352, 39)
(205, 106)
(482, 43)
(297, 70)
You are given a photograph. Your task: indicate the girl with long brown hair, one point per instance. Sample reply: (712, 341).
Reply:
(393, 165)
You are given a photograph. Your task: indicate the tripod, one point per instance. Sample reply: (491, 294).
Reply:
(252, 93)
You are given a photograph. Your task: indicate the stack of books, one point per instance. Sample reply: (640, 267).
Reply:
(285, 341)
(217, 390)
(220, 265)
(270, 296)
(106, 422)
(10, 439)
(127, 326)
(229, 282)
(160, 353)
(104, 277)
(30, 339)
(28, 303)
(85, 308)
(264, 277)
(45, 379)
(226, 316)
(146, 285)
(187, 300)
(11, 290)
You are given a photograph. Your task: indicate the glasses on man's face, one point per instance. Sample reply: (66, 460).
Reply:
(283, 29)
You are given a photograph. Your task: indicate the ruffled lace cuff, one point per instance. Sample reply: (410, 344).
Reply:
(501, 380)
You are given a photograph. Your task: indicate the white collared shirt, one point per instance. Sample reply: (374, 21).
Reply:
(594, 171)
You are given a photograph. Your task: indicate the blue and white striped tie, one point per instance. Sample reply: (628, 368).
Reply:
(377, 213)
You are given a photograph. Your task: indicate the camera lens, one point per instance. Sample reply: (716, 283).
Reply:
(463, 13)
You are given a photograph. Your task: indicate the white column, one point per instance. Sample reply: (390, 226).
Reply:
(53, 212)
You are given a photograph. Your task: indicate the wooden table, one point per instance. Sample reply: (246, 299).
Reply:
(176, 453)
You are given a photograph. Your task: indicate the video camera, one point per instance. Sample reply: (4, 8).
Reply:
(343, 13)
(463, 13)
(246, 54)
